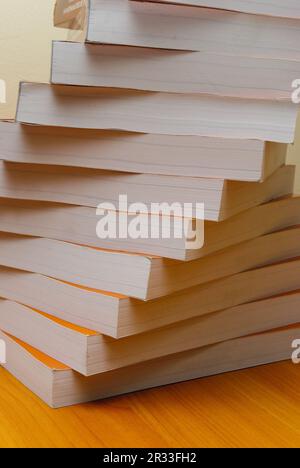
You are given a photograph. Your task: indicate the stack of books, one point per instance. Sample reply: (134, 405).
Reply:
(149, 231)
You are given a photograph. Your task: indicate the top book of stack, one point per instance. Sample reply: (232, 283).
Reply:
(286, 9)
(181, 27)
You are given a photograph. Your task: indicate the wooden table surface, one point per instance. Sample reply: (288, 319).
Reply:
(253, 408)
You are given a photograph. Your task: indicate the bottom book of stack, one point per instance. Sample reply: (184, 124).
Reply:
(60, 386)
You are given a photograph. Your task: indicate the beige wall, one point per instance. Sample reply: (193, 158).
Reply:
(26, 33)
(25, 45)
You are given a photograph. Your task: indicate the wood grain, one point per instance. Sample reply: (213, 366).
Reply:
(253, 408)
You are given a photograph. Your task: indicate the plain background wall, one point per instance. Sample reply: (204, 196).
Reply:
(26, 32)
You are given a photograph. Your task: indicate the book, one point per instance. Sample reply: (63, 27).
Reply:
(60, 386)
(140, 276)
(78, 225)
(155, 194)
(221, 158)
(120, 316)
(178, 27)
(158, 113)
(91, 353)
(100, 65)
(286, 9)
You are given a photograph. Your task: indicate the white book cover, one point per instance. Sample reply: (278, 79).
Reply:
(184, 197)
(59, 386)
(78, 224)
(91, 353)
(167, 26)
(284, 9)
(120, 316)
(172, 71)
(158, 113)
(140, 276)
(189, 156)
